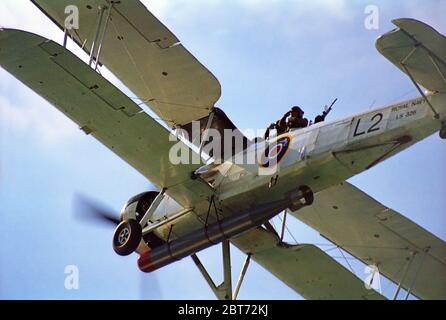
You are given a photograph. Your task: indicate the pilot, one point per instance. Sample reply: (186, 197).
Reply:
(296, 119)
(293, 119)
(281, 127)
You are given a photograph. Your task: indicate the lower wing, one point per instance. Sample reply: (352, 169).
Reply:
(402, 250)
(304, 268)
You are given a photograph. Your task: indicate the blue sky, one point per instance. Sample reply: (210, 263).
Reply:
(268, 55)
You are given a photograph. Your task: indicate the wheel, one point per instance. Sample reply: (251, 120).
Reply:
(127, 237)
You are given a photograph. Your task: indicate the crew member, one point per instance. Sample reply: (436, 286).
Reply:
(293, 119)
(319, 118)
(296, 119)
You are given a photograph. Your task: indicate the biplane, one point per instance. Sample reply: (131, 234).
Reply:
(224, 189)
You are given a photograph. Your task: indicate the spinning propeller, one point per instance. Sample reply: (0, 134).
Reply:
(89, 211)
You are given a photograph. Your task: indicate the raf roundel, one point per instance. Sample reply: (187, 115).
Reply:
(275, 151)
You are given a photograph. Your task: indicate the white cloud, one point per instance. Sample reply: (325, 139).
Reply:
(25, 112)
(158, 7)
(21, 110)
(161, 8)
(337, 9)
(22, 14)
(291, 17)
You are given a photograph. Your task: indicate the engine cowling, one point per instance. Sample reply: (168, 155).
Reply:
(138, 205)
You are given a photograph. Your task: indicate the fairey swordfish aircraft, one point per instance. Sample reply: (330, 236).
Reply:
(231, 196)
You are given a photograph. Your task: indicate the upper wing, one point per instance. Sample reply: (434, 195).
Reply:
(100, 109)
(403, 251)
(145, 56)
(305, 268)
(420, 48)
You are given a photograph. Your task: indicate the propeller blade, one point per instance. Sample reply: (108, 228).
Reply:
(89, 211)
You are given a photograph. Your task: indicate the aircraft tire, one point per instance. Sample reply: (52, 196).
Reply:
(127, 237)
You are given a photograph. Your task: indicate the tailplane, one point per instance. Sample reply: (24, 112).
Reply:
(418, 50)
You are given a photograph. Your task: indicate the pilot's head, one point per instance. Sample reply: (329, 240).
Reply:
(297, 112)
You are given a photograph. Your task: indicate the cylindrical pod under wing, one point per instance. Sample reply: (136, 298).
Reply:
(219, 231)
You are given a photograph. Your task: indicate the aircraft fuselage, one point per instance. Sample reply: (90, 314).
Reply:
(319, 156)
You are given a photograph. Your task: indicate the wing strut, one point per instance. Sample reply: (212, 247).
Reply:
(224, 290)
(153, 206)
(404, 65)
(101, 41)
(283, 226)
(101, 30)
(206, 131)
(409, 290)
(242, 276)
(406, 269)
(65, 38)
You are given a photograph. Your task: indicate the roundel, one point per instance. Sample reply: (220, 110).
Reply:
(275, 151)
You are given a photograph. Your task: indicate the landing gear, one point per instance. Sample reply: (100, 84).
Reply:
(127, 237)
(135, 216)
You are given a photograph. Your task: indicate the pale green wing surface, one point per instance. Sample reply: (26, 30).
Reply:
(304, 268)
(144, 55)
(420, 48)
(99, 109)
(402, 250)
